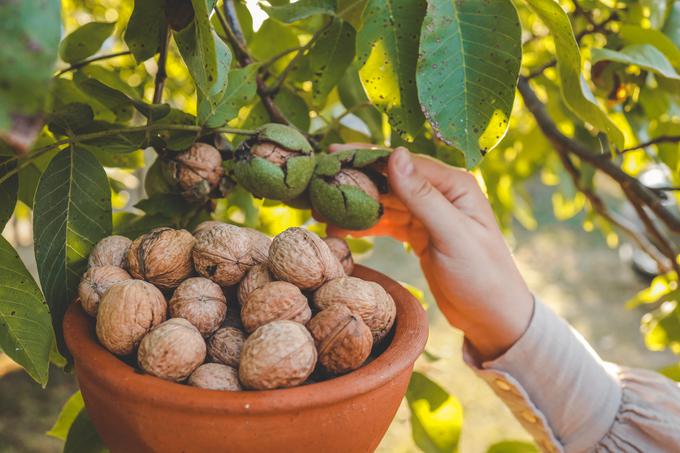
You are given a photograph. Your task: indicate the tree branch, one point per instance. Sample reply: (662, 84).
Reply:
(654, 141)
(161, 73)
(628, 183)
(80, 64)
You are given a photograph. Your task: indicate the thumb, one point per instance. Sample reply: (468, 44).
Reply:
(419, 195)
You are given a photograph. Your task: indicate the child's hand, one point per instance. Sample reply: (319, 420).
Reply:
(443, 214)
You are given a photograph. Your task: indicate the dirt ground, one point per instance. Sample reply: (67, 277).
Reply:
(570, 270)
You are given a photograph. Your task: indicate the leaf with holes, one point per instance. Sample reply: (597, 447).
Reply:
(241, 90)
(25, 332)
(350, 11)
(470, 54)
(72, 212)
(353, 96)
(85, 41)
(569, 69)
(329, 59)
(387, 51)
(146, 28)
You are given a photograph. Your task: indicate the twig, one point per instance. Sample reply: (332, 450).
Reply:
(80, 64)
(161, 73)
(626, 181)
(654, 141)
(276, 57)
(28, 158)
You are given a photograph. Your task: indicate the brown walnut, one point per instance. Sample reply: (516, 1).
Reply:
(342, 339)
(300, 257)
(225, 346)
(215, 376)
(367, 299)
(260, 245)
(341, 250)
(205, 225)
(223, 254)
(127, 311)
(199, 170)
(95, 282)
(256, 277)
(274, 301)
(357, 178)
(162, 257)
(201, 302)
(274, 153)
(278, 354)
(172, 350)
(110, 251)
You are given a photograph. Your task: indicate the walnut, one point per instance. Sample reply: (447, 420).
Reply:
(367, 299)
(110, 251)
(198, 170)
(225, 346)
(357, 178)
(201, 302)
(127, 311)
(274, 301)
(94, 284)
(300, 257)
(206, 225)
(256, 277)
(342, 339)
(172, 350)
(278, 354)
(223, 254)
(342, 252)
(260, 245)
(215, 376)
(162, 257)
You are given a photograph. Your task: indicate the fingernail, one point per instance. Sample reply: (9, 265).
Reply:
(404, 163)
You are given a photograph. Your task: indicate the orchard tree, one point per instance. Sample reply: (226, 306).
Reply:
(583, 93)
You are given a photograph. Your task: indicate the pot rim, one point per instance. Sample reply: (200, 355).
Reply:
(103, 368)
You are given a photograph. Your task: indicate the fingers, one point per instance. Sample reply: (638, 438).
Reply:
(429, 205)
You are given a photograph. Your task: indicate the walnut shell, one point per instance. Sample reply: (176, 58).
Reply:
(110, 251)
(94, 284)
(225, 346)
(206, 225)
(127, 311)
(260, 245)
(172, 350)
(278, 354)
(256, 277)
(162, 257)
(341, 250)
(201, 302)
(357, 178)
(215, 376)
(223, 254)
(367, 299)
(274, 301)
(201, 162)
(342, 340)
(300, 257)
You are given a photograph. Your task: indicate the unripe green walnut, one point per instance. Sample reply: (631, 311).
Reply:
(277, 163)
(342, 192)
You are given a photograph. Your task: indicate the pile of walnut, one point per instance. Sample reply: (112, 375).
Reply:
(245, 311)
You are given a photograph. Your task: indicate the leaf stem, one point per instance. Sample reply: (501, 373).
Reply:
(161, 73)
(80, 64)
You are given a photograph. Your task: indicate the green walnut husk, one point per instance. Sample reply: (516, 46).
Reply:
(342, 192)
(277, 163)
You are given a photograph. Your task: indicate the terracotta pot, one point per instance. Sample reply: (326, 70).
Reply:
(137, 413)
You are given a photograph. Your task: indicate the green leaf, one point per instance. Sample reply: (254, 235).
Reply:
(116, 101)
(293, 107)
(513, 446)
(9, 190)
(82, 437)
(329, 59)
(633, 34)
(197, 46)
(672, 26)
(350, 11)
(67, 416)
(70, 118)
(72, 212)
(300, 10)
(569, 69)
(436, 416)
(145, 30)
(133, 225)
(467, 72)
(241, 90)
(661, 327)
(387, 51)
(85, 41)
(273, 37)
(25, 332)
(644, 55)
(352, 96)
(29, 33)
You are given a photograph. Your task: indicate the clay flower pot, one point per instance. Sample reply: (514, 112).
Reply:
(138, 413)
